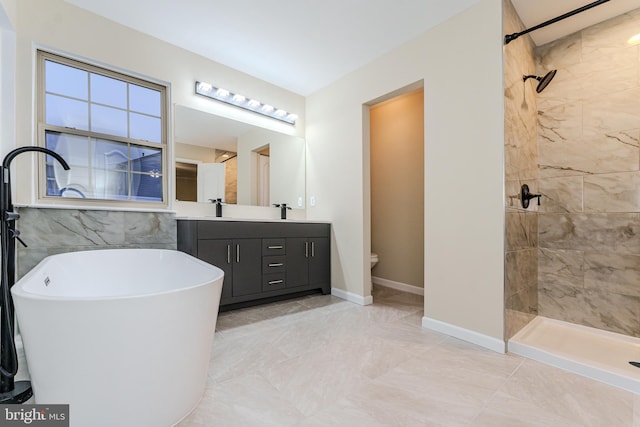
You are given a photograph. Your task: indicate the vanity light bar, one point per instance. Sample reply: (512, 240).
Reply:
(223, 95)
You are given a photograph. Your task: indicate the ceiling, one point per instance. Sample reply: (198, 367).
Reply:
(300, 45)
(304, 45)
(535, 12)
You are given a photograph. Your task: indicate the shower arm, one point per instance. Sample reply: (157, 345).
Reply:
(511, 37)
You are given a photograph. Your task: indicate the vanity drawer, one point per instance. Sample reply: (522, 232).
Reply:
(273, 264)
(273, 247)
(272, 282)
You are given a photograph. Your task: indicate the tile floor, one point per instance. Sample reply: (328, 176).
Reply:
(321, 361)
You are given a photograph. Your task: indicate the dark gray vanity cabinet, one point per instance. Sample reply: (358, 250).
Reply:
(308, 261)
(239, 259)
(262, 261)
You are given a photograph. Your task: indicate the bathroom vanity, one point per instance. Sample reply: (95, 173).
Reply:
(262, 261)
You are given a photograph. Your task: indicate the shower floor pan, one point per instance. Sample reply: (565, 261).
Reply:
(600, 355)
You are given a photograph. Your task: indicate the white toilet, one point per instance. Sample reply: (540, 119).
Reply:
(374, 259)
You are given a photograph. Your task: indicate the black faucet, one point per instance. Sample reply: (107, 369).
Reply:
(11, 392)
(283, 209)
(218, 203)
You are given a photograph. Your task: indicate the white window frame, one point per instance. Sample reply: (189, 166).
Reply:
(43, 127)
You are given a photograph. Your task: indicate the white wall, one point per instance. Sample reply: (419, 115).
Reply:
(60, 26)
(460, 62)
(7, 75)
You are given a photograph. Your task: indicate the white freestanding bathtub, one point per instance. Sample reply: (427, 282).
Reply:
(123, 336)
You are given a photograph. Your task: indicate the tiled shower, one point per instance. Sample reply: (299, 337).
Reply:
(576, 257)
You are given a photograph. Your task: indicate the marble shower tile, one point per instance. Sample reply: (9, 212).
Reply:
(613, 33)
(522, 230)
(521, 270)
(619, 274)
(524, 301)
(520, 137)
(559, 267)
(562, 194)
(596, 232)
(560, 124)
(591, 307)
(613, 113)
(515, 321)
(559, 53)
(616, 192)
(565, 395)
(590, 154)
(512, 195)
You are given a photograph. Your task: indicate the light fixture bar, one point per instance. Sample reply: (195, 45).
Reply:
(238, 100)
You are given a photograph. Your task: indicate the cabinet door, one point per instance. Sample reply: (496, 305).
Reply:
(219, 253)
(319, 261)
(247, 267)
(297, 262)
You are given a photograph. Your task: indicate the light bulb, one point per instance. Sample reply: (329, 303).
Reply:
(222, 93)
(267, 108)
(239, 98)
(204, 87)
(254, 103)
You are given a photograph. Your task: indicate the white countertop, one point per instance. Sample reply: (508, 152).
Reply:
(214, 218)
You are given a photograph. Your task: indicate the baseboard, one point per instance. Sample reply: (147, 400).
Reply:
(490, 343)
(351, 297)
(397, 285)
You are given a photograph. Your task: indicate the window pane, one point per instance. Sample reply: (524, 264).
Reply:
(144, 100)
(66, 80)
(145, 128)
(67, 112)
(108, 120)
(73, 149)
(146, 187)
(110, 155)
(108, 91)
(111, 184)
(146, 160)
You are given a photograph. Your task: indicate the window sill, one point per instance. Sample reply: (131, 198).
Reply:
(87, 207)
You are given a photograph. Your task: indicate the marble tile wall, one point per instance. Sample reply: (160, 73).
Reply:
(53, 231)
(521, 167)
(589, 175)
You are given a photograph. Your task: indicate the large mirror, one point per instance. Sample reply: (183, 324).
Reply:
(220, 158)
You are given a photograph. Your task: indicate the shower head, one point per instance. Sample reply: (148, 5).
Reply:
(543, 82)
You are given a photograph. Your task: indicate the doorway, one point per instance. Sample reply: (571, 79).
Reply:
(396, 127)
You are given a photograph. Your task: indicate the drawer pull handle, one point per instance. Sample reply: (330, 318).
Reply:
(275, 282)
(228, 254)
(276, 264)
(275, 247)
(306, 249)
(313, 249)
